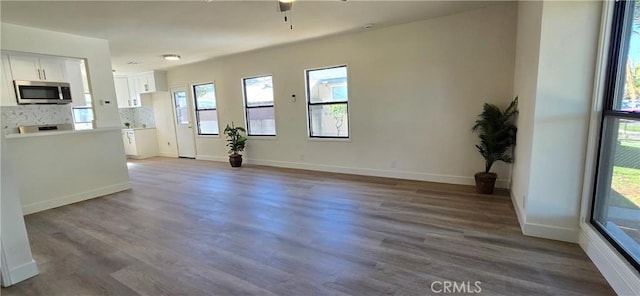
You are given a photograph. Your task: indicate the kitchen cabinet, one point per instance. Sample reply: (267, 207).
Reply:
(149, 82)
(122, 93)
(145, 83)
(7, 92)
(129, 89)
(37, 68)
(74, 77)
(140, 143)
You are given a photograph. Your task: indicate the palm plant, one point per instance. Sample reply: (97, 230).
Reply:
(235, 140)
(497, 133)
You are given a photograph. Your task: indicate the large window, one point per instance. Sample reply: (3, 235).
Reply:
(258, 102)
(206, 110)
(616, 206)
(328, 102)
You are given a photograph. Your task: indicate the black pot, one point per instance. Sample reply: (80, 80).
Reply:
(235, 160)
(485, 182)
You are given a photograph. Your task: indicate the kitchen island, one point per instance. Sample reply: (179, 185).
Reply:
(57, 168)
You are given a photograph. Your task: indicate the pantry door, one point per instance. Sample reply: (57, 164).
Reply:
(184, 122)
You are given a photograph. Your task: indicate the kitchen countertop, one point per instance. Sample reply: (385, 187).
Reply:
(55, 133)
(137, 128)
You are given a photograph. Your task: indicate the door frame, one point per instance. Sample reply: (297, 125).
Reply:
(191, 117)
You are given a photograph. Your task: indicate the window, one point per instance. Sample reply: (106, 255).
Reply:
(616, 204)
(258, 102)
(328, 102)
(206, 112)
(83, 115)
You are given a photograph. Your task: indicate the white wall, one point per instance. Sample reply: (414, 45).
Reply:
(165, 124)
(565, 83)
(17, 261)
(525, 87)
(95, 51)
(86, 165)
(415, 91)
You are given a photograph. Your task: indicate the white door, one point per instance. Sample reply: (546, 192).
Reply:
(184, 124)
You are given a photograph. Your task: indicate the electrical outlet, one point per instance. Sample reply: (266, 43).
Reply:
(394, 164)
(301, 157)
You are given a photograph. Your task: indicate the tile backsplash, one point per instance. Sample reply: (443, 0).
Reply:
(137, 117)
(11, 117)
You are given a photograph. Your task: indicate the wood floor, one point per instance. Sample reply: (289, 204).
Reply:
(202, 228)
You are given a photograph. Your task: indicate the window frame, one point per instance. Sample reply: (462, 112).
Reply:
(197, 111)
(247, 107)
(309, 103)
(618, 47)
(73, 115)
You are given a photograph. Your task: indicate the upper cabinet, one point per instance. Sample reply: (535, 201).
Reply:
(149, 82)
(129, 88)
(7, 93)
(32, 67)
(37, 68)
(122, 92)
(76, 81)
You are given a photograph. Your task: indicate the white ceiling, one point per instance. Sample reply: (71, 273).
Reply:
(142, 31)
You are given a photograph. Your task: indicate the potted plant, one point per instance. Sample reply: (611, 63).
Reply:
(497, 132)
(236, 142)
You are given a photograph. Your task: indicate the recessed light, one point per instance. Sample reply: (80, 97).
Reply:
(368, 26)
(171, 57)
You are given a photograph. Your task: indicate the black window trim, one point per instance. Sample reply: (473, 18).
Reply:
(616, 50)
(247, 107)
(195, 107)
(309, 103)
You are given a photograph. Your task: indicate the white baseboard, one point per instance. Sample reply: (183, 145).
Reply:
(214, 158)
(622, 277)
(171, 155)
(543, 231)
(69, 199)
(551, 232)
(461, 180)
(520, 213)
(20, 273)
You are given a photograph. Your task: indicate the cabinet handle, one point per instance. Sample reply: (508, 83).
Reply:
(44, 73)
(39, 75)
(146, 87)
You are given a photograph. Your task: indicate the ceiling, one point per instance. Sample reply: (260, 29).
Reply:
(142, 31)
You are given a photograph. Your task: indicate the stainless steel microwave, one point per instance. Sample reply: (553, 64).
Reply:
(42, 92)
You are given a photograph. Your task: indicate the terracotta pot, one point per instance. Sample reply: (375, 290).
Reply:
(235, 160)
(485, 182)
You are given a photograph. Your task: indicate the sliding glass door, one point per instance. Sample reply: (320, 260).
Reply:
(616, 207)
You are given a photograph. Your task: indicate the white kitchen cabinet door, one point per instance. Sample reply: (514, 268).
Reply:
(25, 67)
(36, 68)
(7, 91)
(134, 91)
(129, 138)
(146, 143)
(74, 77)
(122, 91)
(54, 69)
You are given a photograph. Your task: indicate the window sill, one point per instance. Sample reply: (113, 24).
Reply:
(208, 136)
(329, 139)
(269, 138)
